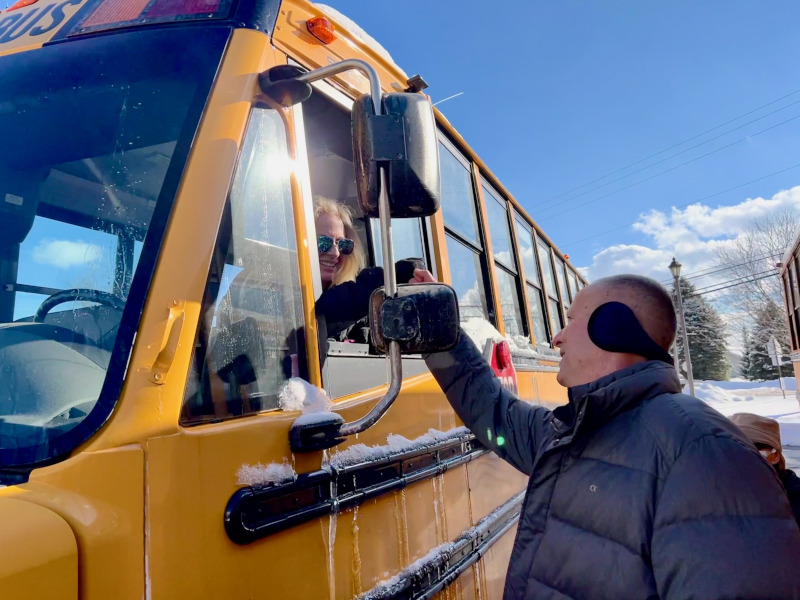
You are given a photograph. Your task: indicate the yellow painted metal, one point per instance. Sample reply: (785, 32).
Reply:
(30, 27)
(291, 35)
(541, 387)
(440, 255)
(38, 553)
(100, 496)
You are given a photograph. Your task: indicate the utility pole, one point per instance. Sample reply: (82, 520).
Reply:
(675, 269)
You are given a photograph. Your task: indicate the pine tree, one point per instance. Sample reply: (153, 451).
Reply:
(745, 365)
(767, 323)
(706, 333)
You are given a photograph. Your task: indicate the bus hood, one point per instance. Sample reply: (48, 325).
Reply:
(39, 553)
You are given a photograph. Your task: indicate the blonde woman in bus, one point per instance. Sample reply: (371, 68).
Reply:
(346, 284)
(341, 257)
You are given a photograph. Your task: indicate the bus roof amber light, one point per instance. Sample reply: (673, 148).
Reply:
(20, 4)
(322, 29)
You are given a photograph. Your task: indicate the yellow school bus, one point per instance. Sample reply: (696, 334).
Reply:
(158, 277)
(790, 286)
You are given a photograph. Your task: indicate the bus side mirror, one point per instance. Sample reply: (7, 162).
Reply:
(422, 318)
(404, 140)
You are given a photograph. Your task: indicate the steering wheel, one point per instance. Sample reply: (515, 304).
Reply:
(74, 295)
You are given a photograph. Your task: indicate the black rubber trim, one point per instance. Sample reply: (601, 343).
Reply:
(429, 578)
(255, 512)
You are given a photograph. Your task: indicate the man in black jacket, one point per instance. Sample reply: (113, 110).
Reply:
(636, 490)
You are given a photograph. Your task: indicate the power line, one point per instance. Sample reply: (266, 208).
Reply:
(668, 170)
(704, 291)
(684, 151)
(672, 147)
(681, 206)
(706, 272)
(733, 285)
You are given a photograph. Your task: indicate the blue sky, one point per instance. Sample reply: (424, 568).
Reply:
(556, 94)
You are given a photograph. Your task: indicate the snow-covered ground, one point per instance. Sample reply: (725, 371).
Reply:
(758, 397)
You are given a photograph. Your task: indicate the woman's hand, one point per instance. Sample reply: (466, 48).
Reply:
(422, 276)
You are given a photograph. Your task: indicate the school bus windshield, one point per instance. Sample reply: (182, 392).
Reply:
(94, 135)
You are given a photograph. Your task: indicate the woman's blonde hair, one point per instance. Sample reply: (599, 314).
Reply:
(351, 263)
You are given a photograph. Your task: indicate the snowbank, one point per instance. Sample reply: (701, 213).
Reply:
(481, 331)
(758, 397)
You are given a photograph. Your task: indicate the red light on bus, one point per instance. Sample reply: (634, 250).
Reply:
(174, 8)
(112, 12)
(20, 4)
(322, 29)
(115, 11)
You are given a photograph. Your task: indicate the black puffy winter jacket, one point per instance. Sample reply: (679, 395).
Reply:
(636, 490)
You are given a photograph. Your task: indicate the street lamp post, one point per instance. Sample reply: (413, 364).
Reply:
(675, 269)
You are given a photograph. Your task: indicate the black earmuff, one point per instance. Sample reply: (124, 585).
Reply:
(614, 328)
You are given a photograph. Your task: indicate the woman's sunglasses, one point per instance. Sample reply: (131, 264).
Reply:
(325, 243)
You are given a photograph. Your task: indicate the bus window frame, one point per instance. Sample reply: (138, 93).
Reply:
(537, 283)
(484, 247)
(540, 241)
(511, 269)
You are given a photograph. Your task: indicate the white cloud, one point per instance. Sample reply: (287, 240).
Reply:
(65, 253)
(691, 234)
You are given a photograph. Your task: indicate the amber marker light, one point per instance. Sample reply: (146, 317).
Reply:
(20, 4)
(321, 28)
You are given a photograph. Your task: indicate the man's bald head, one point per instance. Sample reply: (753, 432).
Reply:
(648, 300)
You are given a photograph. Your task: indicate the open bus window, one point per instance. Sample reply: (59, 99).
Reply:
(89, 131)
(342, 317)
(250, 338)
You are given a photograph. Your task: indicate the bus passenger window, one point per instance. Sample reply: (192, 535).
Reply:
(562, 283)
(553, 303)
(468, 267)
(250, 336)
(533, 283)
(505, 263)
(348, 275)
(349, 362)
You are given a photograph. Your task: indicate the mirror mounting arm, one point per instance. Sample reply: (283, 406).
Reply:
(330, 436)
(384, 212)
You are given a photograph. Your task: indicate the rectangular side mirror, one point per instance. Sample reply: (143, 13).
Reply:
(422, 318)
(403, 139)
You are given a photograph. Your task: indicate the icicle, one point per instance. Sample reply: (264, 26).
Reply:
(356, 566)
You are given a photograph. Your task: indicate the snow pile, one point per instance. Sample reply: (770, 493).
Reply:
(395, 444)
(758, 397)
(391, 587)
(481, 331)
(298, 394)
(360, 35)
(266, 475)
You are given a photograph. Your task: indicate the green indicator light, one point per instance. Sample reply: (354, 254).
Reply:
(500, 440)
(489, 434)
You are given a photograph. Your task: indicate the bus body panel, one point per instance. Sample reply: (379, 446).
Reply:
(100, 496)
(39, 555)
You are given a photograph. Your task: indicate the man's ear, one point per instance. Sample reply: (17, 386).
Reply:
(614, 327)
